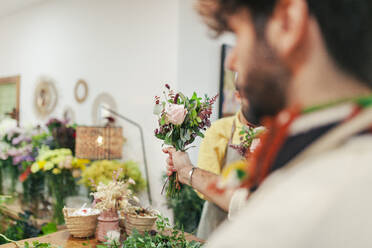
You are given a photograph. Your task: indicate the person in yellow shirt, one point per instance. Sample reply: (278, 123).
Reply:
(216, 153)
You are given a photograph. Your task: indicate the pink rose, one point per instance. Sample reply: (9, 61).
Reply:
(176, 114)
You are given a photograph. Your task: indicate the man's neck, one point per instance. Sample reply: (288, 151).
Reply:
(320, 81)
(242, 119)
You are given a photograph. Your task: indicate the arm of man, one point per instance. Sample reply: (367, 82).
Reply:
(201, 179)
(213, 147)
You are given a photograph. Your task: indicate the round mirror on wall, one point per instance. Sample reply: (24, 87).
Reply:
(81, 91)
(45, 97)
(102, 101)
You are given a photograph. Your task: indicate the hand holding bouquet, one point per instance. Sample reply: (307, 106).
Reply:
(181, 120)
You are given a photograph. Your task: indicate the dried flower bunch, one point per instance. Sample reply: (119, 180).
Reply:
(181, 120)
(114, 196)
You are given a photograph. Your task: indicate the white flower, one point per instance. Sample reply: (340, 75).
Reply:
(113, 236)
(259, 130)
(136, 199)
(131, 181)
(254, 145)
(6, 125)
(157, 109)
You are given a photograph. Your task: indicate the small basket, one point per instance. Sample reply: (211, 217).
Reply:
(140, 223)
(80, 226)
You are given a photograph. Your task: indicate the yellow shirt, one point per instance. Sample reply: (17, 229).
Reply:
(213, 147)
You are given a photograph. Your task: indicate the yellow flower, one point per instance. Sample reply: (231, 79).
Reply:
(238, 165)
(56, 171)
(35, 167)
(48, 166)
(41, 164)
(80, 163)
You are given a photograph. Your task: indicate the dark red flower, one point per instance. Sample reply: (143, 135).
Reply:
(167, 86)
(176, 98)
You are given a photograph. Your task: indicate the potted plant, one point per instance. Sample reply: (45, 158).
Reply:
(109, 199)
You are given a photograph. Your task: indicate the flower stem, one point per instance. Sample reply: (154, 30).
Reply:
(9, 240)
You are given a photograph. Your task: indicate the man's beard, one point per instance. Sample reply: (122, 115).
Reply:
(265, 84)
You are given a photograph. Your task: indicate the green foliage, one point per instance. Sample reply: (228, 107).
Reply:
(21, 229)
(37, 244)
(33, 191)
(39, 139)
(186, 209)
(49, 228)
(248, 134)
(8, 170)
(102, 171)
(60, 187)
(165, 238)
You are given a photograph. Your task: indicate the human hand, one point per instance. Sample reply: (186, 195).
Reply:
(178, 162)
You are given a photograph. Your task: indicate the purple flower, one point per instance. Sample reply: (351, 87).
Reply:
(13, 152)
(17, 160)
(28, 158)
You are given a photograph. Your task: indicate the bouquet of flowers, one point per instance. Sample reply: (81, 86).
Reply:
(64, 135)
(61, 170)
(181, 120)
(17, 151)
(57, 160)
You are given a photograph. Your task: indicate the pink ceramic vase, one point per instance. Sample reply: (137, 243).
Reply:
(107, 221)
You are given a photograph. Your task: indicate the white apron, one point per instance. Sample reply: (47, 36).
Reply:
(212, 215)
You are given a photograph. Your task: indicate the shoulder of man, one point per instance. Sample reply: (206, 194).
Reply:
(323, 201)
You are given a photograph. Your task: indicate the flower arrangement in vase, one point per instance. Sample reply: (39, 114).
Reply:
(109, 199)
(60, 169)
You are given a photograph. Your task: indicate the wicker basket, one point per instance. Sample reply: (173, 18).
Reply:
(80, 226)
(140, 223)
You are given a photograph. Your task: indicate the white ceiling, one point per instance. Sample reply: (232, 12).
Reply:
(8, 7)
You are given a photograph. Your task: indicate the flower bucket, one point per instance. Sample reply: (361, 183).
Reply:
(80, 226)
(141, 223)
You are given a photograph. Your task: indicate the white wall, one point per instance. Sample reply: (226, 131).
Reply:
(199, 57)
(123, 47)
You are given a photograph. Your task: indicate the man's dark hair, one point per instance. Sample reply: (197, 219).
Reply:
(345, 26)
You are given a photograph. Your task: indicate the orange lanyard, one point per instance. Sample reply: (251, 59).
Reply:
(272, 141)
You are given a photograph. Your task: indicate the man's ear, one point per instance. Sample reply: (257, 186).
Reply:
(287, 26)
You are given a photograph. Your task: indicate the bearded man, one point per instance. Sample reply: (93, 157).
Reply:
(305, 67)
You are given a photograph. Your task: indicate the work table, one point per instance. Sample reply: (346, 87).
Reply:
(64, 239)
